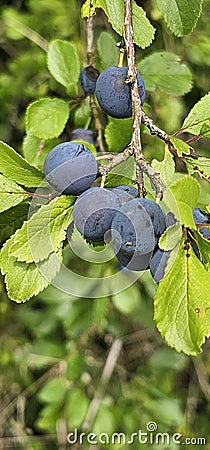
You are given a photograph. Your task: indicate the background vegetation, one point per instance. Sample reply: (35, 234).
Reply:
(54, 348)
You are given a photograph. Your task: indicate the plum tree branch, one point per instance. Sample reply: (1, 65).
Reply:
(136, 101)
(90, 41)
(142, 166)
(156, 131)
(90, 61)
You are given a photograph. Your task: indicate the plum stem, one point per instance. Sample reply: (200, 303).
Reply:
(98, 125)
(122, 51)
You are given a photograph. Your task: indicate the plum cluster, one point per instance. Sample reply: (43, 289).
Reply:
(133, 224)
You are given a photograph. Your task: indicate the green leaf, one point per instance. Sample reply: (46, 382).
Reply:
(186, 192)
(14, 217)
(48, 418)
(165, 71)
(121, 302)
(10, 194)
(118, 134)
(77, 404)
(123, 173)
(35, 149)
(47, 117)
(13, 166)
(143, 30)
(88, 9)
(44, 232)
(181, 16)
(180, 146)
(166, 168)
(200, 165)
(53, 391)
(23, 281)
(82, 115)
(182, 303)
(198, 120)
(171, 237)
(107, 49)
(63, 62)
(204, 247)
(116, 180)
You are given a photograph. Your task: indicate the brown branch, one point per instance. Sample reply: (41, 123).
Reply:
(142, 166)
(136, 101)
(90, 41)
(154, 130)
(49, 196)
(90, 61)
(154, 177)
(104, 380)
(56, 370)
(194, 139)
(117, 159)
(202, 376)
(98, 125)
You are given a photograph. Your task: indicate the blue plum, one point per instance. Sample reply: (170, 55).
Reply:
(129, 191)
(156, 215)
(114, 94)
(158, 264)
(87, 79)
(201, 217)
(170, 219)
(133, 235)
(93, 213)
(70, 168)
(82, 134)
(125, 192)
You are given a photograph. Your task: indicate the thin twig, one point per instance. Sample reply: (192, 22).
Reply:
(90, 61)
(117, 159)
(90, 41)
(49, 196)
(154, 130)
(106, 156)
(142, 166)
(202, 377)
(122, 50)
(56, 370)
(28, 32)
(136, 101)
(105, 377)
(194, 139)
(98, 125)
